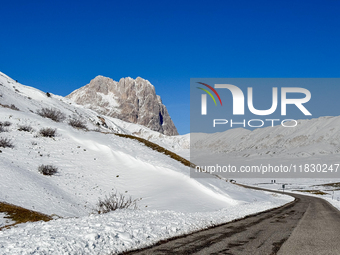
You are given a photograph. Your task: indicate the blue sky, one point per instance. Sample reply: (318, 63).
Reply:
(60, 46)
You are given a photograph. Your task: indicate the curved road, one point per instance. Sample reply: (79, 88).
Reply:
(309, 225)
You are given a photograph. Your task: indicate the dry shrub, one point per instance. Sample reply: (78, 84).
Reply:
(77, 123)
(114, 202)
(5, 124)
(47, 170)
(48, 132)
(6, 143)
(52, 114)
(25, 128)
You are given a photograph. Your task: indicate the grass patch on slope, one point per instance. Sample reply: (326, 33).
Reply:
(315, 192)
(160, 149)
(330, 186)
(21, 215)
(333, 185)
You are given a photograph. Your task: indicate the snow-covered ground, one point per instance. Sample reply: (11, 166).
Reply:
(92, 164)
(307, 186)
(4, 221)
(179, 144)
(118, 231)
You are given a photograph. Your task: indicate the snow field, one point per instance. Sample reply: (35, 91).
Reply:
(118, 231)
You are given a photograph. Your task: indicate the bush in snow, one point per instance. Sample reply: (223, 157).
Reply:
(47, 169)
(25, 128)
(48, 132)
(77, 123)
(12, 106)
(5, 124)
(6, 143)
(52, 114)
(115, 201)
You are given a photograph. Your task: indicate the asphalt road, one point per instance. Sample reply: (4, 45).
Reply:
(309, 225)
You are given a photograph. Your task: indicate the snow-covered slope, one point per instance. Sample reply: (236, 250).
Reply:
(93, 164)
(319, 136)
(179, 144)
(118, 231)
(29, 99)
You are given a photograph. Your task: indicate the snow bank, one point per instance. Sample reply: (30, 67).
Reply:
(118, 231)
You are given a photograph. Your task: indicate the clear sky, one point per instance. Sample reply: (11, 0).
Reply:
(59, 46)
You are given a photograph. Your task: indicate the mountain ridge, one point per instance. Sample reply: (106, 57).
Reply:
(131, 100)
(317, 136)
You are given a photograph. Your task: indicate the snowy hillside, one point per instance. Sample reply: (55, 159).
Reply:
(320, 136)
(180, 144)
(29, 99)
(92, 163)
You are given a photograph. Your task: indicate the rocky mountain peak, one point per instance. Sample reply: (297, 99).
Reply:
(131, 100)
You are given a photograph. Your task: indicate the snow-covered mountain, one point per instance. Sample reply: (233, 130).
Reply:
(319, 136)
(93, 162)
(131, 100)
(90, 160)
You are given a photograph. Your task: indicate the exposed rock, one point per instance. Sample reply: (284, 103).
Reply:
(130, 100)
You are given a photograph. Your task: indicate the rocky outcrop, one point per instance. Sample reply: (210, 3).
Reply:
(130, 100)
